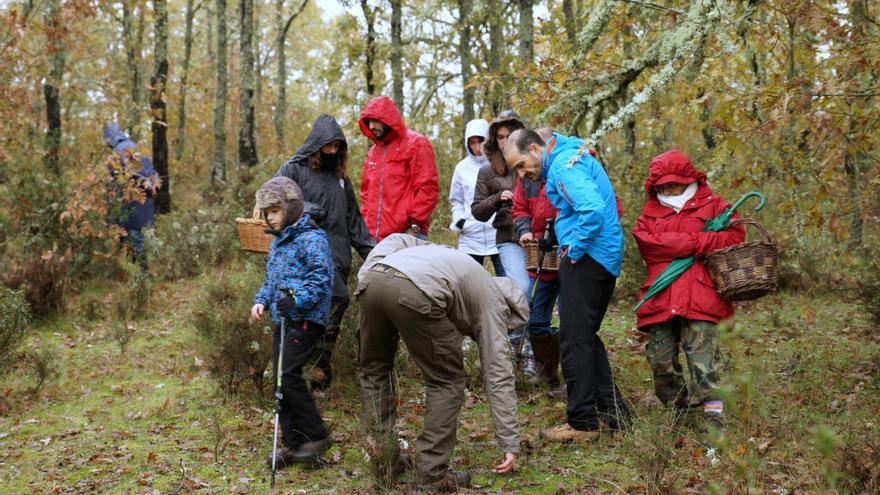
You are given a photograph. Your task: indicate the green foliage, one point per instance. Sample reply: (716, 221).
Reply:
(14, 323)
(184, 243)
(130, 301)
(238, 350)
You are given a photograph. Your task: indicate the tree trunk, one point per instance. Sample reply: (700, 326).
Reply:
(496, 45)
(51, 87)
(258, 63)
(464, 51)
(157, 106)
(857, 160)
(132, 39)
(247, 146)
(209, 17)
(181, 106)
(570, 21)
(526, 32)
(281, 73)
(370, 50)
(396, 54)
(218, 169)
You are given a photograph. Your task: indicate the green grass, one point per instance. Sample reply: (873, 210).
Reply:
(802, 374)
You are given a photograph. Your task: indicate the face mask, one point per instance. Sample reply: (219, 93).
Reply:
(329, 162)
(678, 202)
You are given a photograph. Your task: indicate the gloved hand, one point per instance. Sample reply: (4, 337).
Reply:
(460, 224)
(286, 305)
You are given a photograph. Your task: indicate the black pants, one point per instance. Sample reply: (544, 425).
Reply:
(322, 356)
(299, 417)
(585, 290)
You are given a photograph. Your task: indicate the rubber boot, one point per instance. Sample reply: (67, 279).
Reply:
(547, 360)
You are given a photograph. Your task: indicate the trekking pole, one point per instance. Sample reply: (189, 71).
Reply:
(278, 398)
(547, 236)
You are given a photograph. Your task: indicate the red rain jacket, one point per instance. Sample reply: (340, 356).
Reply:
(531, 209)
(399, 181)
(662, 236)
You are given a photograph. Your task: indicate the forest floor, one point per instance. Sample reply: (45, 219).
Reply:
(802, 375)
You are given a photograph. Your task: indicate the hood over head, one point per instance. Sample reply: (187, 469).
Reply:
(383, 109)
(325, 130)
(283, 192)
(479, 128)
(516, 302)
(114, 135)
(672, 166)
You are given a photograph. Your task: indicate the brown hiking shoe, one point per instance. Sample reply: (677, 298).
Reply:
(565, 433)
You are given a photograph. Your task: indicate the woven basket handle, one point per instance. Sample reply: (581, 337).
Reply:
(256, 214)
(755, 224)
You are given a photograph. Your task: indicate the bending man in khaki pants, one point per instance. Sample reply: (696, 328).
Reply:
(432, 297)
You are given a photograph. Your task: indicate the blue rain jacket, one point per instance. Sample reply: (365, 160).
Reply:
(587, 222)
(134, 215)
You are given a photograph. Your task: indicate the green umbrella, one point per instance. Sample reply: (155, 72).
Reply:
(679, 266)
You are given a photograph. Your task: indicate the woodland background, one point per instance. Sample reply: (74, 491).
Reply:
(779, 96)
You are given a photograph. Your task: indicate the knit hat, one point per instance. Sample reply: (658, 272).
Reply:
(283, 192)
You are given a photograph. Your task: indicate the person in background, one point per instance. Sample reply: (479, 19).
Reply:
(134, 183)
(319, 168)
(476, 238)
(685, 314)
(399, 188)
(494, 196)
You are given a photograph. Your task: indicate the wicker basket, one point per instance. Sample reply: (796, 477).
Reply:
(551, 261)
(745, 271)
(252, 233)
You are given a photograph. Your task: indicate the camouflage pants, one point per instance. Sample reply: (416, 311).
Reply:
(699, 339)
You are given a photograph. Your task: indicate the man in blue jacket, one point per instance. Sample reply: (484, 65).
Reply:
(134, 182)
(591, 253)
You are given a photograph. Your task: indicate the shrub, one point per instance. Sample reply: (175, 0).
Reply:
(238, 350)
(185, 242)
(869, 290)
(14, 322)
(43, 280)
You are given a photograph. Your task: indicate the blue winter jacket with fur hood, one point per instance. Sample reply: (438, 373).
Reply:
(587, 222)
(299, 260)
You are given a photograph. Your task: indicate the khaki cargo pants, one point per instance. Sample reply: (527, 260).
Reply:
(699, 340)
(392, 307)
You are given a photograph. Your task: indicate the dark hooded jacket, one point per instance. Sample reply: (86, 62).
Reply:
(664, 235)
(330, 199)
(134, 215)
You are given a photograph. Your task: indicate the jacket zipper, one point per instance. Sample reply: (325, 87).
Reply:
(381, 184)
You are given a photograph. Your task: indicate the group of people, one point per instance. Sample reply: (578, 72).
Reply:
(515, 186)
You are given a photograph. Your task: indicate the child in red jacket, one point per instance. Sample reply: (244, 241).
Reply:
(684, 314)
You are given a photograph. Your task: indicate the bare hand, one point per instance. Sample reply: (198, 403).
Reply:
(506, 195)
(527, 237)
(257, 312)
(507, 465)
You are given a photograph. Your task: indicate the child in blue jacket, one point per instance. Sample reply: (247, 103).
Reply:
(298, 286)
